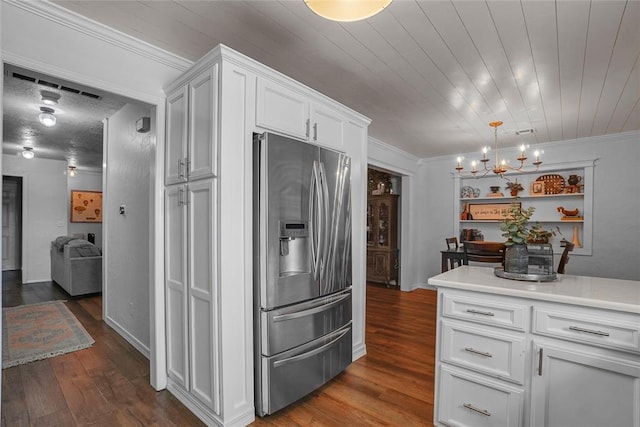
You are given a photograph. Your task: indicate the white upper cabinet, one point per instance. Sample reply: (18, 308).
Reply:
(289, 112)
(176, 148)
(192, 141)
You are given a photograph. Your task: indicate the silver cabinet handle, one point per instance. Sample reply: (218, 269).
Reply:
(474, 351)
(540, 363)
(307, 126)
(180, 195)
(476, 409)
(315, 131)
(180, 172)
(588, 331)
(187, 166)
(484, 313)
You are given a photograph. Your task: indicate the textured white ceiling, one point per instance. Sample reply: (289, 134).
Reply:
(77, 135)
(431, 74)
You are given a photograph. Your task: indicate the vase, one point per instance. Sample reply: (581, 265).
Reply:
(514, 193)
(516, 259)
(575, 239)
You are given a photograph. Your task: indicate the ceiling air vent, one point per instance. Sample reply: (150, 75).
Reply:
(56, 86)
(23, 77)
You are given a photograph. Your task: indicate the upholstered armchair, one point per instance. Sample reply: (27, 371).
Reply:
(76, 265)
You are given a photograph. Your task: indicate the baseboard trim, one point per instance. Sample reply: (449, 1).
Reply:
(128, 337)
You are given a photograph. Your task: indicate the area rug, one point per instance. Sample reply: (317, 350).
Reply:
(38, 331)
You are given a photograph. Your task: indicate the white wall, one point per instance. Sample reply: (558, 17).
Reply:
(87, 181)
(395, 160)
(616, 205)
(44, 211)
(126, 253)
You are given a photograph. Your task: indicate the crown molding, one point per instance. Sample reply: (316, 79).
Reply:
(82, 24)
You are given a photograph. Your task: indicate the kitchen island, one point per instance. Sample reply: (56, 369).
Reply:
(513, 353)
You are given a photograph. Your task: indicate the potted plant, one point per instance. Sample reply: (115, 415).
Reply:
(514, 187)
(514, 227)
(537, 234)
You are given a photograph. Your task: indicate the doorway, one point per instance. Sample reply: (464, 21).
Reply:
(383, 227)
(11, 223)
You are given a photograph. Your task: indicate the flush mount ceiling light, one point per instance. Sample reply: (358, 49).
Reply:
(46, 116)
(27, 153)
(49, 98)
(347, 10)
(72, 171)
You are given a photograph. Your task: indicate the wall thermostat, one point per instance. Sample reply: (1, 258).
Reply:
(143, 124)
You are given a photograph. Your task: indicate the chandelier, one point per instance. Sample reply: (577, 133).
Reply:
(500, 167)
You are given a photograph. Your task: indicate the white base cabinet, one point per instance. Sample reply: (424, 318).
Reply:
(509, 361)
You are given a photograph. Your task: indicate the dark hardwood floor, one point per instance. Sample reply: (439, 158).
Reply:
(104, 385)
(393, 384)
(108, 384)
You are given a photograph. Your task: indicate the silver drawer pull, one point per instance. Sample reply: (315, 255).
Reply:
(481, 353)
(589, 331)
(484, 313)
(478, 410)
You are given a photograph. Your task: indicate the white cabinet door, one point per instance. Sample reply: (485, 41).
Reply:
(176, 144)
(327, 127)
(203, 304)
(176, 279)
(576, 387)
(203, 119)
(281, 109)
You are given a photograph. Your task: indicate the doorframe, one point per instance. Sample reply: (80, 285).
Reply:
(157, 344)
(20, 220)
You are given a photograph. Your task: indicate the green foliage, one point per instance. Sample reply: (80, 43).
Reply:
(539, 235)
(515, 224)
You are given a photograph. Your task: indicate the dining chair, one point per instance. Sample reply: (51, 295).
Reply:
(564, 258)
(452, 243)
(490, 252)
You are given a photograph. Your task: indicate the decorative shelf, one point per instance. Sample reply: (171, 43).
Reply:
(510, 198)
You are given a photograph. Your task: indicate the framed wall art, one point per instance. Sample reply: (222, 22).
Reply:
(86, 206)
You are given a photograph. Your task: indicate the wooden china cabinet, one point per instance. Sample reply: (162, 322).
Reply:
(382, 239)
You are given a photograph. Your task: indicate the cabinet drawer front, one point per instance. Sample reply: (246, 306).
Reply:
(469, 400)
(496, 354)
(497, 313)
(610, 330)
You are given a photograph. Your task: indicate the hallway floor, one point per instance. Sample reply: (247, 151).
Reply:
(104, 385)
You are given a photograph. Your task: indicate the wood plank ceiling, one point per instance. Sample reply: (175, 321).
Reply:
(431, 74)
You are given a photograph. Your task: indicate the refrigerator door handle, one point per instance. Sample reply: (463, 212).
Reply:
(325, 230)
(314, 203)
(313, 310)
(312, 352)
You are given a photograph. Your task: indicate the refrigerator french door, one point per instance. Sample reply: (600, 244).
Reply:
(302, 268)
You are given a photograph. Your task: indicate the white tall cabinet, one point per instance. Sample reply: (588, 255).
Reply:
(213, 110)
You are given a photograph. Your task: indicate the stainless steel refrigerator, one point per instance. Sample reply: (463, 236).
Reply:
(302, 268)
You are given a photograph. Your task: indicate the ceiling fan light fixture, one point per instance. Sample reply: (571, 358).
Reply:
(46, 116)
(347, 10)
(27, 153)
(49, 98)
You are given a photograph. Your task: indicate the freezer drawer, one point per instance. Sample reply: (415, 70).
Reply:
(293, 374)
(297, 324)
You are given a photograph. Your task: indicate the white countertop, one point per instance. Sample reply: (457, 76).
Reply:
(612, 294)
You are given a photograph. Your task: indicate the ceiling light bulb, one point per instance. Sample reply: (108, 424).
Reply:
(27, 153)
(72, 171)
(347, 10)
(46, 117)
(49, 98)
